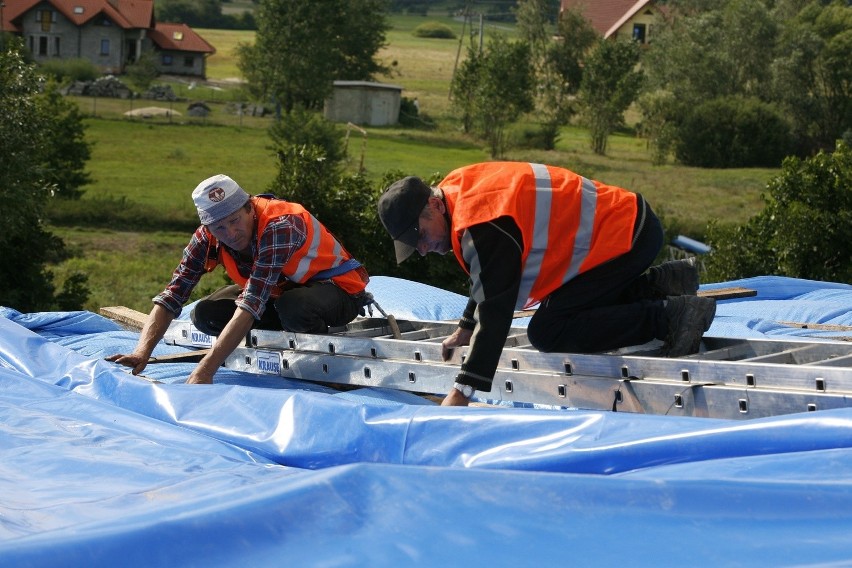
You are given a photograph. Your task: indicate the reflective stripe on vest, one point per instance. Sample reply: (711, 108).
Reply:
(541, 227)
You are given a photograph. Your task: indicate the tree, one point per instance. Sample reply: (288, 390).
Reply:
(495, 89)
(557, 63)
(563, 73)
(812, 75)
(143, 72)
(804, 230)
(463, 89)
(733, 132)
(65, 157)
(723, 51)
(27, 136)
(611, 83)
(301, 48)
(709, 51)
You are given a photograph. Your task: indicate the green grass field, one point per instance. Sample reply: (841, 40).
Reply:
(149, 167)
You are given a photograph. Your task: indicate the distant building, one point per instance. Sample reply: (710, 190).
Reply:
(363, 102)
(620, 19)
(112, 34)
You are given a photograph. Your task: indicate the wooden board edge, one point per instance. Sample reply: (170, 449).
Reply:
(125, 316)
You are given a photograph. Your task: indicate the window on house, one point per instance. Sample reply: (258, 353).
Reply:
(639, 33)
(188, 61)
(45, 18)
(104, 47)
(42, 45)
(167, 59)
(56, 46)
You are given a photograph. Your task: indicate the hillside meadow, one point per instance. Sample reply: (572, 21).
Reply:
(128, 230)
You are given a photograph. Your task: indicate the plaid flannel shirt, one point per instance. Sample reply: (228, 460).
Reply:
(282, 237)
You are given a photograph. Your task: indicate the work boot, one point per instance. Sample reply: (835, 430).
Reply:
(689, 317)
(674, 278)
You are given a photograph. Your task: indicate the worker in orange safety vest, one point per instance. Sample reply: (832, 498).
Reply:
(289, 271)
(532, 234)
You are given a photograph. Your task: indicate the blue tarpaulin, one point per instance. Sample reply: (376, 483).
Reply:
(101, 468)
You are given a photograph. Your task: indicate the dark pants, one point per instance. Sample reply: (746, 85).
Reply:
(609, 306)
(311, 308)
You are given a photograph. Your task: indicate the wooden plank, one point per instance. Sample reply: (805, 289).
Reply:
(727, 293)
(820, 326)
(193, 356)
(125, 316)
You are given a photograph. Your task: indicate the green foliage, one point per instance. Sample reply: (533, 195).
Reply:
(493, 89)
(463, 89)
(69, 70)
(143, 72)
(301, 48)
(74, 293)
(793, 54)
(805, 230)
(346, 205)
(812, 75)
(26, 140)
(202, 14)
(64, 159)
(610, 84)
(560, 73)
(732, 132)
(435, 30)
(658, 126)
(306, 128)
(725, 50)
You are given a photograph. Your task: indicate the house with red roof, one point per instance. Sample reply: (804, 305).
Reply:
(112, 34)
(620, 19)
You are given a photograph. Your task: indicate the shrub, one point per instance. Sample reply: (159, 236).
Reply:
(434, 30)
(805, 230)
(733, 132)
(302, 127)
(69, 70)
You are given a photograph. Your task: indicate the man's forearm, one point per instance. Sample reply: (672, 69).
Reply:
(233, 334)
(155, 328)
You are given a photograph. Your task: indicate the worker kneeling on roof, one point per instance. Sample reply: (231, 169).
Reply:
(291, 273)
(534, 234)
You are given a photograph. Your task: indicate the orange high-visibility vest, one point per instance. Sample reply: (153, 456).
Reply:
(321, 251)
(569, 223)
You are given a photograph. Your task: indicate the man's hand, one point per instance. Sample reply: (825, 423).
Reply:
(136, 362)
(200, 377)
(455, 398)
(152, 332)
(459, 338)
(233, 334)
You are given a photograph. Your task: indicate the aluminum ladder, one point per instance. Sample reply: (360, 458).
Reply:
(728, 378)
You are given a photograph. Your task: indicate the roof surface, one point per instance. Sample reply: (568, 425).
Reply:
(102, 468)
(127, 14)
(606, 14)
(179, 37)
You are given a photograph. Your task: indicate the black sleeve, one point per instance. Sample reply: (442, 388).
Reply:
(492, 252)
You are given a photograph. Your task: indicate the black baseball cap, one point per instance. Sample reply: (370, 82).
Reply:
(399, 210)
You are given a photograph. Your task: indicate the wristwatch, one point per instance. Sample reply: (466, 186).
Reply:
(466, 390)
